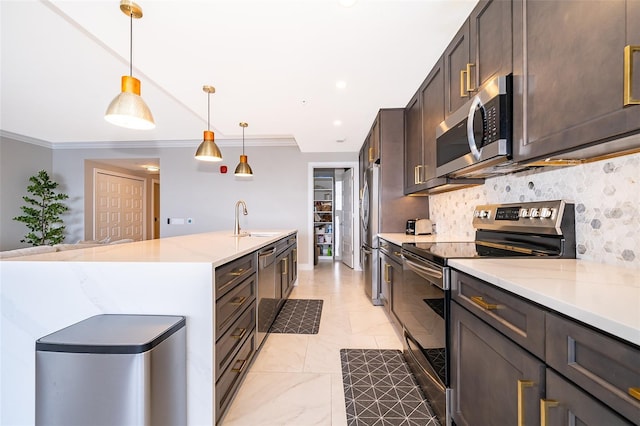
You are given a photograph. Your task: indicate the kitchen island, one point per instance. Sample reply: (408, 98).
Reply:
(171, 276)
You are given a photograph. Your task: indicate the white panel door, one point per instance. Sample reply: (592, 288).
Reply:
(119, 208)
(347, 218)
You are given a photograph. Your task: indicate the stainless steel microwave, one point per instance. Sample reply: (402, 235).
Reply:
(476, 140)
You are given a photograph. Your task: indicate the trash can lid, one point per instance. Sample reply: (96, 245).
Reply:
(112, 334)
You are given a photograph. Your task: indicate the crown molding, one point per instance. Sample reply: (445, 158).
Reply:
(226, 142)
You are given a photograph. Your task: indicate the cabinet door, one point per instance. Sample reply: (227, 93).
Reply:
(566, 404)
(457, 67)
(490, 41)
(432, 97)
(412, 144)
(385, 272)
(571, 92)
(493, 380)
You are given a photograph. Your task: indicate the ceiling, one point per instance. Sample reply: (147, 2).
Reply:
(274, 64)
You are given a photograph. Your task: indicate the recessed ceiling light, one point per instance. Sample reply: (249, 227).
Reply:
(152, 168)
(341, 84)
(341, 140)
(337, 123)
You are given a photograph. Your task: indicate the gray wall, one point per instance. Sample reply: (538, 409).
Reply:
(18, 162)
(276, 196)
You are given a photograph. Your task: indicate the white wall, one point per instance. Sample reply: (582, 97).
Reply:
(276, 196)
(18, 162)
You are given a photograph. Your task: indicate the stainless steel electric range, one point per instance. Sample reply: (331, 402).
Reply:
(421, 303)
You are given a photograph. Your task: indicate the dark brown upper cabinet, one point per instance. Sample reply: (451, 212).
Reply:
(480, 51)
(572, 55)
(423, 113)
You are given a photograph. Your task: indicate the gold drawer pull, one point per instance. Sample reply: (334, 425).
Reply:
(371, 154)
(478, 300)
(545, 404)
(635, 392)
(239, 370)
(238, 301)
(522, 384)
(629, 51)
(237, 273)
(387, 276)
(239, 336)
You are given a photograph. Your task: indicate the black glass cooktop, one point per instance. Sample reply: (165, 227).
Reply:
(441, 251)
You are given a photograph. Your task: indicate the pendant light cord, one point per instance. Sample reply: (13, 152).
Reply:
(131, 44)
(208, 110)
(243, 141)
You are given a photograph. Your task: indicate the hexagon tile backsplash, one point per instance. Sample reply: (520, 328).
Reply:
(606, 195)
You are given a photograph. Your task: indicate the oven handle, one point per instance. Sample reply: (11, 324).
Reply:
(422, 269)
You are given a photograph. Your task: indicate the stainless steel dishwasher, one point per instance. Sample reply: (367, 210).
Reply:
(268, 300)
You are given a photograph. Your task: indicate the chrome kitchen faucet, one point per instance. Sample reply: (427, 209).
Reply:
(236, 227)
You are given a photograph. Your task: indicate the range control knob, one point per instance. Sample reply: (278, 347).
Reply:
(484, 214)
(534, 212)
(524, 212)
(546, 212)
(476, 213)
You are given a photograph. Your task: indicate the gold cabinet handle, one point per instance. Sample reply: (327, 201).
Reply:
(237, 273)
(387, 278)
(242, 363)
(371, 154)
(522, 384)
(240, 335)
(294, 254)
(286, 266)
(635, 392)
(238, 301)
(463, 79)
(469, 75)
(478, 300)
(545, 404)
(629, 51)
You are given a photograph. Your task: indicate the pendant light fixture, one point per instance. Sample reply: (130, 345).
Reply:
(128, 109)
(208, 150)
(243, 168)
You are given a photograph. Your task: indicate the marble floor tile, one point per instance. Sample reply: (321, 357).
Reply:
(296, 379)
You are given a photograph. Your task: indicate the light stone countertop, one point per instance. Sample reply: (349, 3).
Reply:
(216, 248)
(604, 296)
(399, 238)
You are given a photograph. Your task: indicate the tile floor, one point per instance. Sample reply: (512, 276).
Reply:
(296, 379)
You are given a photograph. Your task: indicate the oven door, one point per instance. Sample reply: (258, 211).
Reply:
(421, 305)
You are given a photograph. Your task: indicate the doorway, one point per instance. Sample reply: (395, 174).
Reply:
(333, 216)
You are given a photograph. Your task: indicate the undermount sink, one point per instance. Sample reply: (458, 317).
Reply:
(263, 234)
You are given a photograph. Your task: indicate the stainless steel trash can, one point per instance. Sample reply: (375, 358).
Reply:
(113, 370)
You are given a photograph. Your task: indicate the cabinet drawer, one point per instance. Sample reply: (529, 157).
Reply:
(230, 306)
(605, 367)
(392, 250)
(521, 321)
(570, 405)
(233, 338)
(231, 378)
(233, 272)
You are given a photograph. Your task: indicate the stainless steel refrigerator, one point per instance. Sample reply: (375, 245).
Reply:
(369, 228)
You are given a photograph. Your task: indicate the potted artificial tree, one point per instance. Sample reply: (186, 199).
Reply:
(42, 214)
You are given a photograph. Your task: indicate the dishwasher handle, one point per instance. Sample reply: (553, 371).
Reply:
(426, 271)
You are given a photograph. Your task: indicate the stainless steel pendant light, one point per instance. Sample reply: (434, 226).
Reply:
(208, 150)
(128, 109)
(243, 168)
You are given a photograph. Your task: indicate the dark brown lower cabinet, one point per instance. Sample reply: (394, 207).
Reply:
(566, 404)
(493, 380)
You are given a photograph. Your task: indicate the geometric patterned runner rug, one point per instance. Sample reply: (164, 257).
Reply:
(298, 316)
(380, 390)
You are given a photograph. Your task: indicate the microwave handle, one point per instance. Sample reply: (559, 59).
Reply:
(470, 137)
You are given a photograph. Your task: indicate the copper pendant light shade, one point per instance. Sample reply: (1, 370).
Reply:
(128, 109)
(208, 150)
(243, 168)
